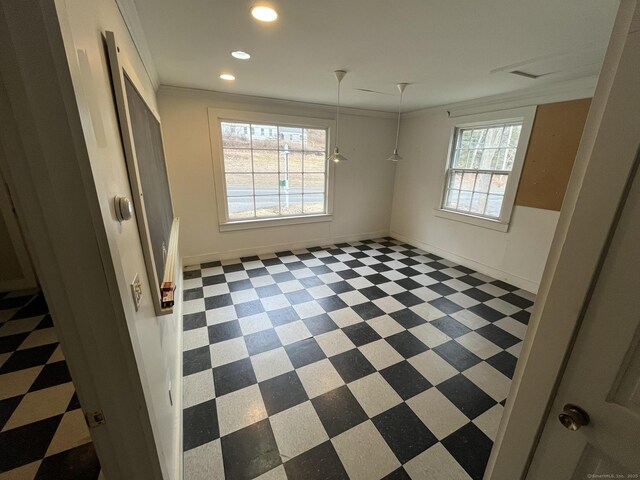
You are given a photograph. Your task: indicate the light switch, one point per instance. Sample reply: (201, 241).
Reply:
(136, 291)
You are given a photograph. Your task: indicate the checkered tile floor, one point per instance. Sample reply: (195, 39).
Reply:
(366, 360)
(43, 434)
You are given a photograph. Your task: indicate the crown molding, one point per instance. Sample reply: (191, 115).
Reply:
(327, 111)
(558, 92)
(131, 20)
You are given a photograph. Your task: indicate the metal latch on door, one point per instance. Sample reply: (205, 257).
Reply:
(573, 417)
(95, 419)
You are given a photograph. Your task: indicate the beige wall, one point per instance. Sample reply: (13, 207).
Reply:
(517, 256)
(155, 339)
(363, 186)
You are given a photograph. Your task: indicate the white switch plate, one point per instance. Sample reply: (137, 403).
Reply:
(136, 291)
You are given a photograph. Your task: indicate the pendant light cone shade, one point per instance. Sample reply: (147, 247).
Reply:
(395, 157)
(337, 157)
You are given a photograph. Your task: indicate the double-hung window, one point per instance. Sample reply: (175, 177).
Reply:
(271, 169)
(483, 168)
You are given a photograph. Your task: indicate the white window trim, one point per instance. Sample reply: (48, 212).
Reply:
(525, 115)
(215, 133)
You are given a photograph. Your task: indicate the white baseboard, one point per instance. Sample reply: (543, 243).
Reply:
(519, 282)
(266, 249)
(179, 474)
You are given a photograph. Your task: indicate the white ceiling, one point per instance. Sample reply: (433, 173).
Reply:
(449, 50)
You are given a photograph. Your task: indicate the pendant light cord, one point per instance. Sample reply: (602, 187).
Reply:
(398, 128)
(338, 116)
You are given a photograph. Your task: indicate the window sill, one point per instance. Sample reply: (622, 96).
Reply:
(473, 220)
(274, 222)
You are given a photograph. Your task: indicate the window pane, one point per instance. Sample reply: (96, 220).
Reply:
(290, 162)
(498, 183)
(315, 140)
(461, 159)
(510, 156)
(452, 199)
(235, 135)
(290, 138)
(313, 203)
(314, 162)
(455, 180)
(313, 183)
(494, 136)
(489, 148)
(468, 180)
(291, 183)
(237, 161)
(464, 201)
(477, 138)
(290, 204)
(266, 183)
(511, 136)
(240, 207)
(272, 170)
(475, 158)
(494, 205)
(465, 138)
(268, 206)
(265, 161)
(498, 161)
(264, 136)
(239, 184)
(489, 157)
(482, 182)
(478, 203)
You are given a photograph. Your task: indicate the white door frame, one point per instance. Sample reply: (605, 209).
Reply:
(603, 164)
(45, 160)
(7, 211)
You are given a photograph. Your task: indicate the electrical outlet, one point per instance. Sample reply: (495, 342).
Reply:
(136, 291)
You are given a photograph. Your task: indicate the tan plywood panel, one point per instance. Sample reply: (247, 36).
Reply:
(554, 142)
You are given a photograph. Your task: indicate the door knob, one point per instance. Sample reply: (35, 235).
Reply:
(573, 417)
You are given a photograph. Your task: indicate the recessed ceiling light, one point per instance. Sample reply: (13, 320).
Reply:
(240, 55)
(227, 76)
(264, 13)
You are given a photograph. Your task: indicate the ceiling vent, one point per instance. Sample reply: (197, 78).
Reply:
(559, 66)
(525, 74)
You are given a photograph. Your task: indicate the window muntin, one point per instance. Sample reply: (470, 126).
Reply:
(273, 171)
(482, 158)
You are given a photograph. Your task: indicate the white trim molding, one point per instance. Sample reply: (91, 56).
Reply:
(274, 222)
(556, 92)
(131, 19)
(525, 115)
(216, 116)
(250, 101)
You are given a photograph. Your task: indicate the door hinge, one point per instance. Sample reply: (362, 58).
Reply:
(95, 419)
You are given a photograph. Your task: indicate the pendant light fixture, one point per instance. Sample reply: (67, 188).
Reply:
(395, 157)
(337, 157)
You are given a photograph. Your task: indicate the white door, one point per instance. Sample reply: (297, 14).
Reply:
(603, 371)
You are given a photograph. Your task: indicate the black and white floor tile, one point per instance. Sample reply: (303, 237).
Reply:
(43, 433)
(366, 360)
